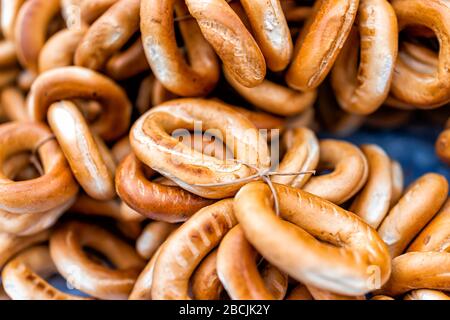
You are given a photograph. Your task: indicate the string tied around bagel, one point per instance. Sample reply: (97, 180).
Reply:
(34, 153)
(263, 174)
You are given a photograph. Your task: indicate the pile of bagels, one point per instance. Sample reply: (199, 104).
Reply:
(173, 149)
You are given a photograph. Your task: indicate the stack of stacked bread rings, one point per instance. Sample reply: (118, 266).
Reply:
(169, 149)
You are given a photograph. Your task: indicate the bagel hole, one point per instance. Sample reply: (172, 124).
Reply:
(98, 257)
(20, 167)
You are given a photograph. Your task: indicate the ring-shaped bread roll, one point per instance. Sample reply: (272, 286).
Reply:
(8, 16)
(74, 82)
(151, 142)
(374, 200)
(418, 270)
(151, 238)
(152, 199)
(350, 171)
(128, 63)
(13, 103)
(206, 284)
(302, 155)
(31, 30)
(54, 188)
(164, 56)
(363, 89)
(239, 274)
(320, 42)
(108, 34)
(59, 49)
(231, 40)
(186, 248)
(31, 223)
(274, 98)
(271, 31)
(425, 294)
(23, 277)
(424, 91)
(340, 262)
(436, 235)
(10, 244)
(83, 273)
(89, 158)
(421, 201)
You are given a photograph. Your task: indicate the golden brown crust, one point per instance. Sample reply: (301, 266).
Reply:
(88, 156)
(187, 246)
(83, 273)
(22, 277)
(408, 85)
(55, 188)
(373, 201)
(414, 210)
(363, 90)
(274, 98)
(436, 235)
(59, 49)
(168, 64)
(151, 238)
(291, 246)
(152, 199)
(320, 42)
(74, 82)
(153, 145)
(231, 40)
(239, 274)
(108, 34)
(205, 281)
(128, 63)
(31, 30)
(350, 171)
(417, 270)
(10, 244)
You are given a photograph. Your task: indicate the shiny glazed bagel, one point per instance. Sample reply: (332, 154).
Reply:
(418, 270)
(151, 142)
(206, 284)
(302, 155)
(59, 50)
(424, 91)
(373, 202)
(108, 34)
(75, 82)
(274, 98)
(425, 294)
(128, 63)
(239, 274)
(436, 235)
(66, 248)
(340, 262)
(23, 277)
(443, 146)
(320, 41)
(349, 171)
(31, 28)
(54, 188)
(151, 198)
(152, 237)
(89, 158)
(187, 246)
(363, 90)
(167, 62)
(231, 40)
(414, 210)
